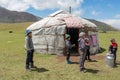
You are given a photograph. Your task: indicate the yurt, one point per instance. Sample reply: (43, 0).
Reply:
(49, 33)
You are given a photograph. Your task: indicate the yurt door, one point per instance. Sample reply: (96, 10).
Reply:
(74, 39)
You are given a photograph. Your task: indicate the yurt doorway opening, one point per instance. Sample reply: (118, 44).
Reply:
(74, 33)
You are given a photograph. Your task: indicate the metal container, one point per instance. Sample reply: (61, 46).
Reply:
(110, 60)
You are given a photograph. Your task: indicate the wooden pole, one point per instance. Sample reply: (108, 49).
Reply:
(70, 9)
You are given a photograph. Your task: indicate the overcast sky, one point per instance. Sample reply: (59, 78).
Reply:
(102, 10)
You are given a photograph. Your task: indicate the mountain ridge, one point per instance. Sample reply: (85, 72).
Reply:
(7, 16)
(102, 26)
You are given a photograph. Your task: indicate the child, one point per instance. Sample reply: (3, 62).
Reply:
(113, 49)
(87, 45)
(30, 50)
(82, 51)
(68, 47)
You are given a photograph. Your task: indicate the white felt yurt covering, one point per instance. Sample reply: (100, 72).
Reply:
(49, 33)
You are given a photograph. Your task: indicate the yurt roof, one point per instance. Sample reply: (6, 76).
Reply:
(61, 18)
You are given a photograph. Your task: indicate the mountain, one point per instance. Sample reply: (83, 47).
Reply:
(102, 26)
(8, 16)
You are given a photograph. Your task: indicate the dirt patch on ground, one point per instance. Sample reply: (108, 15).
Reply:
(118, 62)
(77, 58)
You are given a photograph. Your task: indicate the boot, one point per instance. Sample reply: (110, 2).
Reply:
(27, 68)
(69, 62)
(83, 70)
(32, 66)
(89, 59)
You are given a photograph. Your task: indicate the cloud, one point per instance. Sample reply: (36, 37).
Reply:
(117, 16)
(95, 13)
(78, 12)
(17, 5)
(73, 3)
(23, 5)
(114, 22)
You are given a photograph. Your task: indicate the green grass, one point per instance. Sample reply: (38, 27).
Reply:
(12, 59)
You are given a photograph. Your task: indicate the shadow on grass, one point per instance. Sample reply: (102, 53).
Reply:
(93, 61)
(92, 71)
(40, 70)
(118, 63)
(75, 62)
(88, 61)
(102, 50)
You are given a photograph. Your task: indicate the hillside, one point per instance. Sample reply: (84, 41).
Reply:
(102, 26)
(8, 16)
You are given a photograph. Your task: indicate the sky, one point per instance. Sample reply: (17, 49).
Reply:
(103, 10)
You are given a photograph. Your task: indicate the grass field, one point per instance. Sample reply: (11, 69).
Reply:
(12, 59)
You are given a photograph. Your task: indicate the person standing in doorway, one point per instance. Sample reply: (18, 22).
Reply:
(82, 52)
(68, 48)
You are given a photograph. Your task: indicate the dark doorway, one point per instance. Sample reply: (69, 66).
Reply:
(74, 33)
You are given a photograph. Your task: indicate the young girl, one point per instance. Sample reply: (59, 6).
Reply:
(113, 49)
(87, 45)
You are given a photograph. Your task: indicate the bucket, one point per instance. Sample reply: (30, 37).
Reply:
(110, 60)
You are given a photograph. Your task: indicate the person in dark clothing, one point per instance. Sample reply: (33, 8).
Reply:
(113, 49)
(87, 47)
(82, 52)
(30, 50)
(68, 48)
